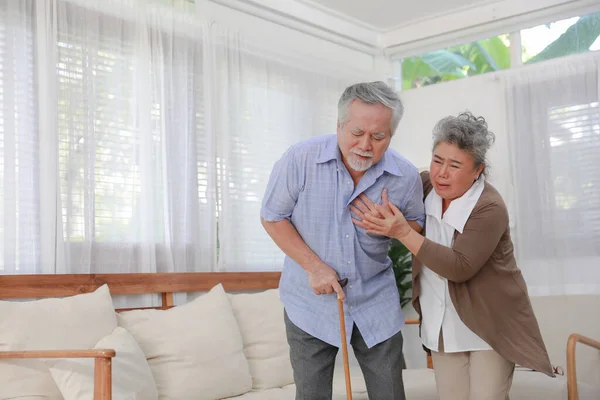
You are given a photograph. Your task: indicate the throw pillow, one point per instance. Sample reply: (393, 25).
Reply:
(260, 317)
(131, 375)
(69, 323)
(195, 350)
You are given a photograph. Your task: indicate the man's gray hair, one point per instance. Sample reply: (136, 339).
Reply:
(469, 133)
(371, 93)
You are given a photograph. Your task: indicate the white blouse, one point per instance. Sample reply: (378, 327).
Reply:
(436, 305)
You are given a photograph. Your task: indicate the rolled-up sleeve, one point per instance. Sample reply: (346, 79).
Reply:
(414, 209)
(284, 186)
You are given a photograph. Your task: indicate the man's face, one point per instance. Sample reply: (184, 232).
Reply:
(365, 136)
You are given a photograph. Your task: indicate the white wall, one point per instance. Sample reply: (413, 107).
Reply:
(276, 38)
(482, 95)
(456, 22)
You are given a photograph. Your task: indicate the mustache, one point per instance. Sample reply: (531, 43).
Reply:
(362, 153)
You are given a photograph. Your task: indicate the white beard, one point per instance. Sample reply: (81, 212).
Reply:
(359, 164)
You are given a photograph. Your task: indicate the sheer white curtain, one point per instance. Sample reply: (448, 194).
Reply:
(138, 138)
(19, 152)
(264, 104)
(133, 163)
(106, 164)
(554, 126)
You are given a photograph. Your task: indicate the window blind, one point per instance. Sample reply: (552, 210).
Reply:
(135, 161)
(555, 146)
(574, 138)
(19, 179)
(99, 170)
(278, 105)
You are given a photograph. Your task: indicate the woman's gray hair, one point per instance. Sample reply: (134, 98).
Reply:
(371, 93)
(469, 133)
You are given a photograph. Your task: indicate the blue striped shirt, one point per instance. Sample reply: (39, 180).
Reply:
(312, 188)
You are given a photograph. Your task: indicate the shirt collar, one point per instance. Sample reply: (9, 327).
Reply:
(459, 210)
(331, 151)
(388, 164)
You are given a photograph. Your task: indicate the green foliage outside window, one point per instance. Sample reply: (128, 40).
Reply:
(578, 38)
(493, 54)
(456, 62)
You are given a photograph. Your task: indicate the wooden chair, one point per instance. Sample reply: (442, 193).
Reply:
(575, 338)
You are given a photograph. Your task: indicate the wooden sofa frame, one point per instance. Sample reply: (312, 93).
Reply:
(166, 284)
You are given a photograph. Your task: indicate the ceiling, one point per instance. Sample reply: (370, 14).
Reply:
(389, 14)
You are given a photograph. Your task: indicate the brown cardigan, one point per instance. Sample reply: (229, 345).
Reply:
(485, 284)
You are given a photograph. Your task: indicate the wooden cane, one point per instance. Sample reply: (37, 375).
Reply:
(343, 283)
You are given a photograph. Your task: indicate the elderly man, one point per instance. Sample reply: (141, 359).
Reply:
(307, 212)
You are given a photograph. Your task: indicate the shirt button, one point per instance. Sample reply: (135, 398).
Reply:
(347, 236)
(351, 307)
(349, 262)
(350, 286)
(349, 183)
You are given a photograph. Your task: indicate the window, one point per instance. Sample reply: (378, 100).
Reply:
(98, 137)
(134, 157)
(277, 106)
(456, 62)
(574, 137)
(561, 38)
(556, 39)
(555, 144)
(129, 116)
(19, 154)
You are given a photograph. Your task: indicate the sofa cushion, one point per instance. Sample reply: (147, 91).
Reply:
(70, 323)
(195, 350)
(289, 393)
(419, 384)
(27, 380)
(131, 375)
(359, 390)
(75, 322)
(260, 318)
(285, 393)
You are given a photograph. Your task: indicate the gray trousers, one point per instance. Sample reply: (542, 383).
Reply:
(313, 362)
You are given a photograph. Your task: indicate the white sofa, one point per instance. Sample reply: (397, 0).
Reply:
(220, 345)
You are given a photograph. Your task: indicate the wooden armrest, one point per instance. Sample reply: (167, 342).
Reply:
(415, 321)
(102, 365)
(100, 353)
(575, 338)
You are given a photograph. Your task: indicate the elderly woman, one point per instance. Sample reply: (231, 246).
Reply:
(475, 313)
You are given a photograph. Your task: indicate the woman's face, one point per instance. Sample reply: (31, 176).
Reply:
(452, 171)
